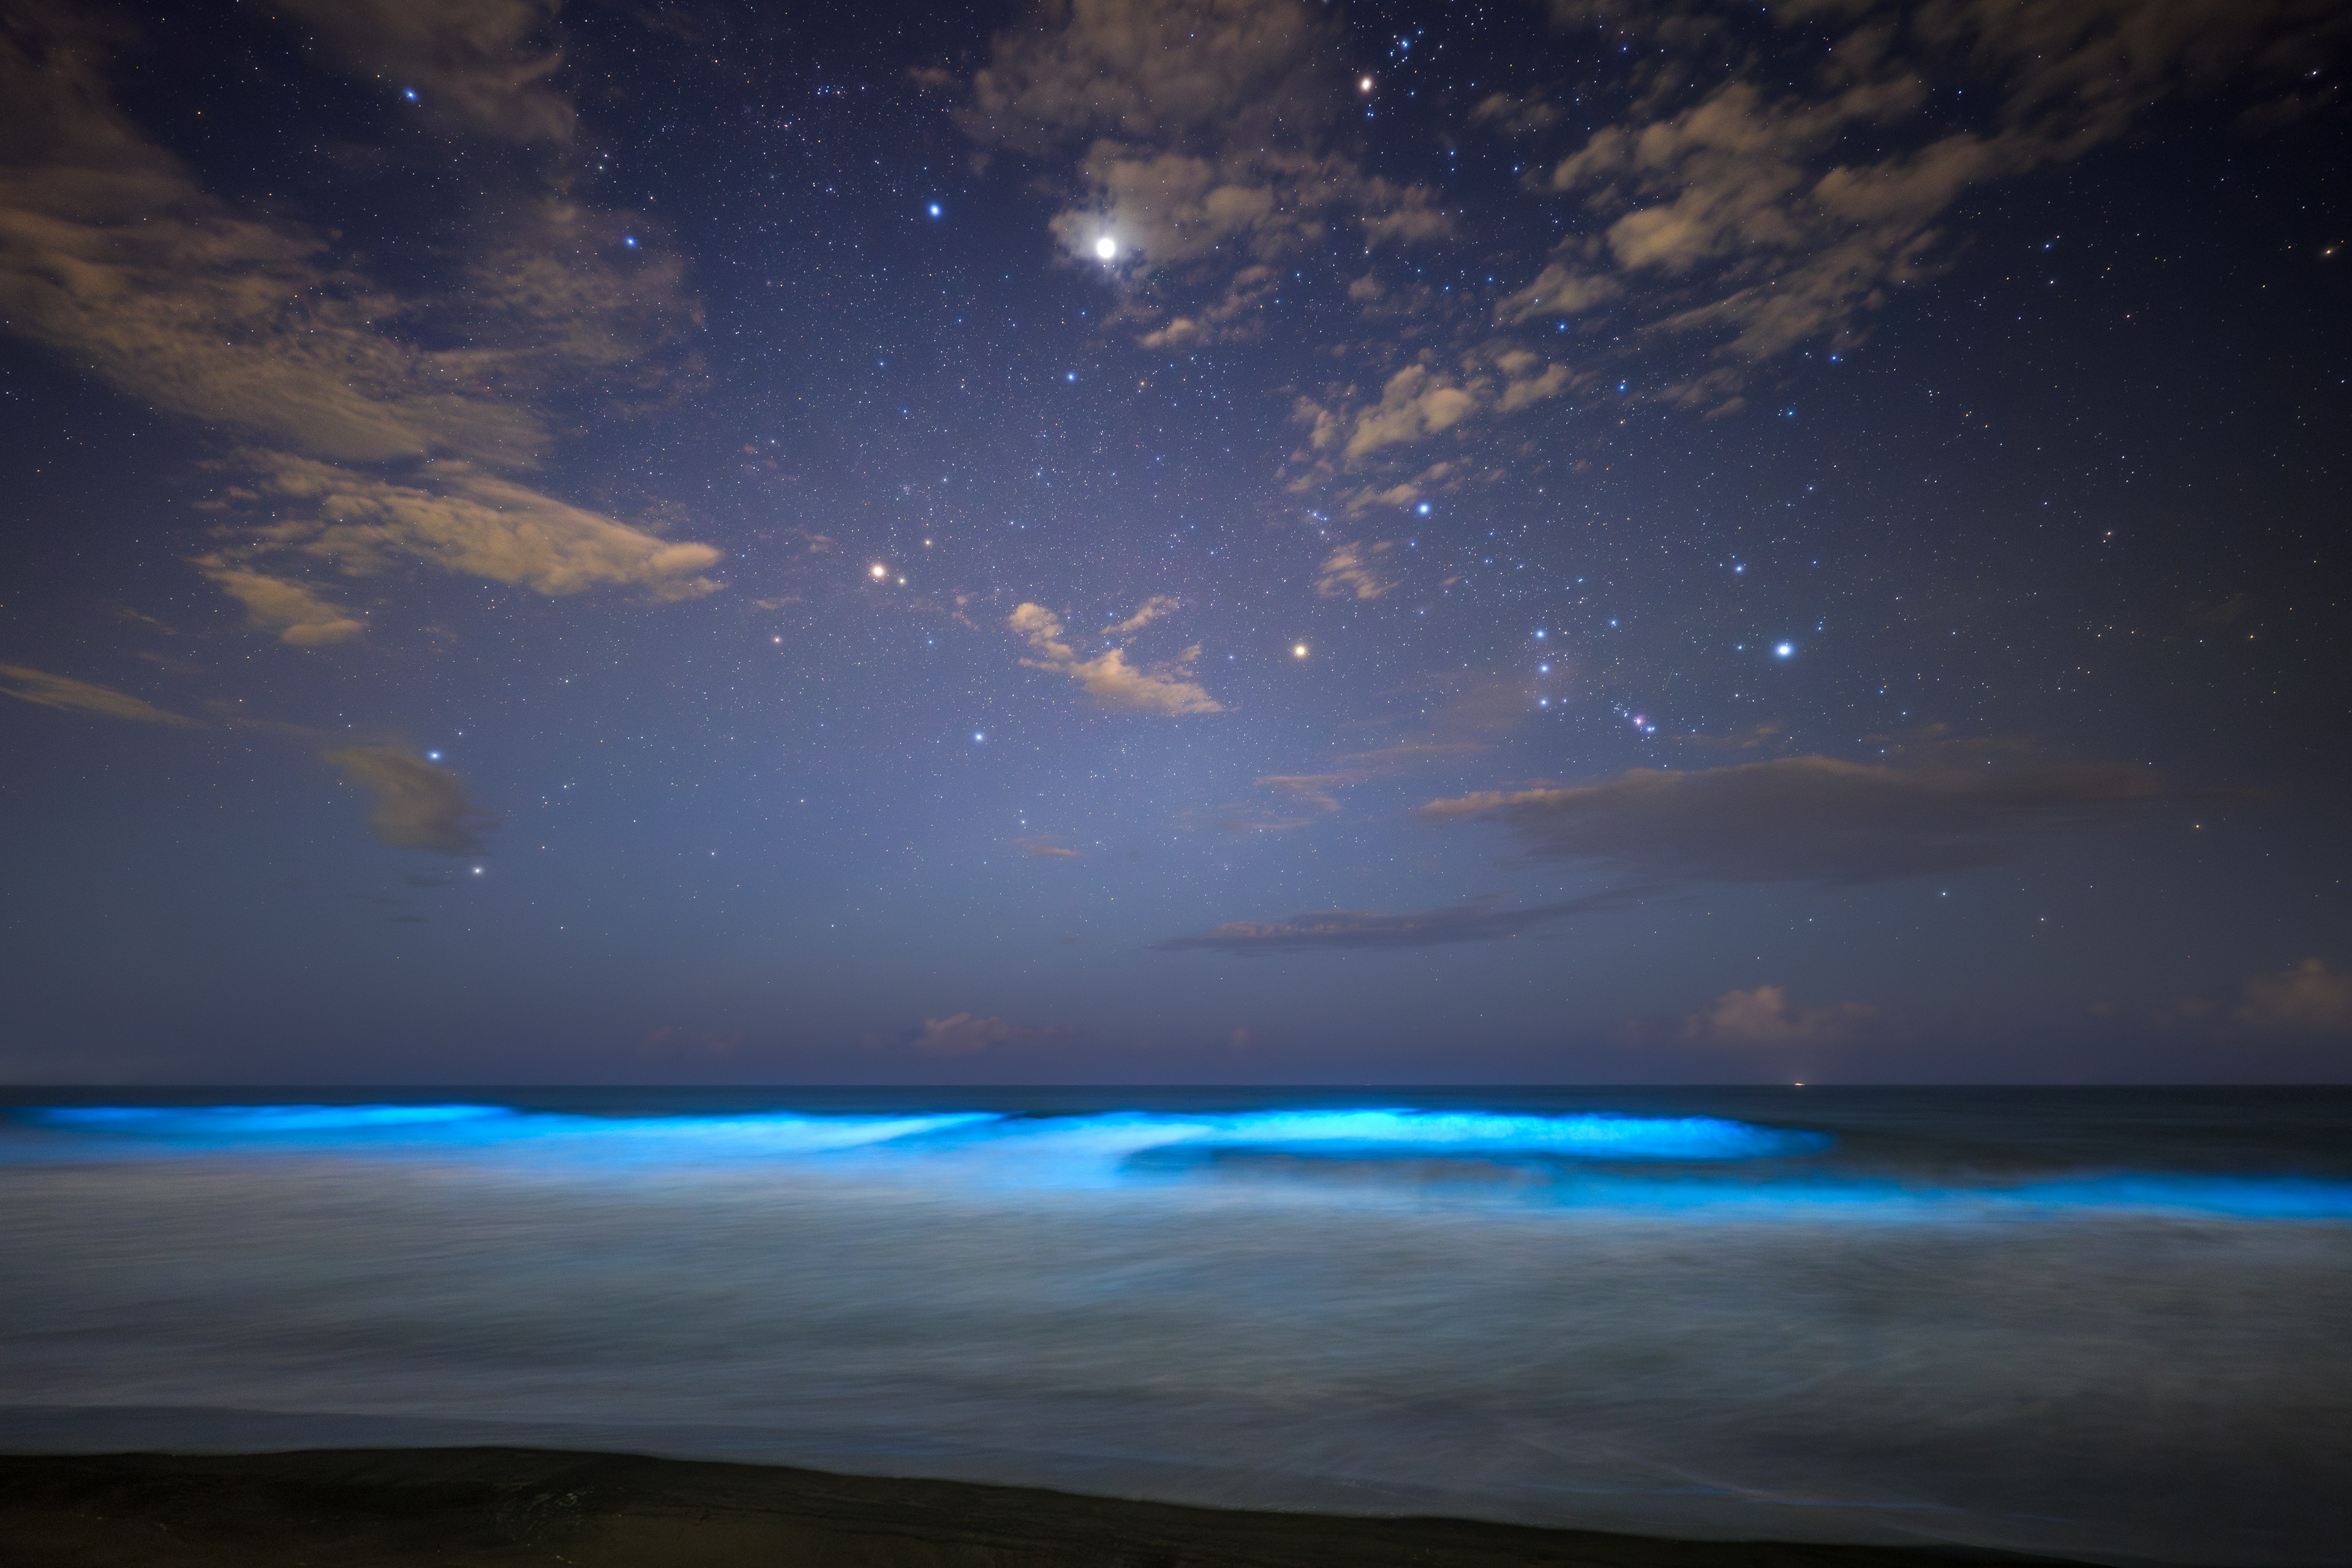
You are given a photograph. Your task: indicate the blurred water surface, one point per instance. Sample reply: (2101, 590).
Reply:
(2109, 1325)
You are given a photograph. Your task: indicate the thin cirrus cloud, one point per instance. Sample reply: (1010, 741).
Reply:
(1809, 819)
(67, 695)
(358, 442)
(1167, 689)
(1486, 918)
(414, 804)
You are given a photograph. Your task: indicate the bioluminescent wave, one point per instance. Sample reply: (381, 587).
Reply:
(2118, 1337)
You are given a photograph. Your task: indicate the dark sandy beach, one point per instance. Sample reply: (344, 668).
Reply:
(506, 1507)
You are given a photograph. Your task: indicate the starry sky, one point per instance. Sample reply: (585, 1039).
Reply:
(1175, 541)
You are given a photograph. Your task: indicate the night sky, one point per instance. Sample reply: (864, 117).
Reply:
(1175, 541)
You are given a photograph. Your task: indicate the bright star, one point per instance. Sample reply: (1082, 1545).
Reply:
(1786, 650)
(409, 93)
(1107, 249)
(1298, 650)
(935, 209)
(878, 572)
(630, 240)
(1422, 509)
(432, 756)
(978, 736)
(1365, 85)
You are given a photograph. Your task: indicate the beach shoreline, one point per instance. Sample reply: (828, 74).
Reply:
(521, 1508)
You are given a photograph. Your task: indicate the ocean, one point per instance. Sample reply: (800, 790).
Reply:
(2107, 1324)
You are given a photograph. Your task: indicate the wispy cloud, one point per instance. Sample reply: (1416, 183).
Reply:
(283, 604)
(1810, 819)
(415, 804)
(1357, 570)
(1201, 138)
(1781, 201)
(1167, 688)
(1485, 919)
(69, 695)
(475, 62)
(375, 423)
(1045, 846)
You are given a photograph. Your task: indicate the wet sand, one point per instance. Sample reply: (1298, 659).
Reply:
(510, 1508)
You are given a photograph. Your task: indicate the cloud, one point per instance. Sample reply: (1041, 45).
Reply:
(962, 1034)
(455, 516)
(1314, 789)
(1166, 688)
(1352, 571)
(1784, 202)
(1043, 846)
(417, 805)
(1202, 136)
(1810, 819)
(69, 695)
(1476, 920)
(282, 605)
(2305, 999)
(415, 409)
(470, 61)
(112, 255)
(1764, 1016)
(1419, 401)
(1151, 610)
(1557, 291)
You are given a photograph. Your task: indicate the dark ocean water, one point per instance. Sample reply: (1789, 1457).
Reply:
(2111, 1325)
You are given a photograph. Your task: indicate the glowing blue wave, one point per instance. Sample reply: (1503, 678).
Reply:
(1586, 1136)
(1578, 1136)
(1589, 1163)
(231, 1120)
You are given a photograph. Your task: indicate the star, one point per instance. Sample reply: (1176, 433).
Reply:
(1107, 249)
